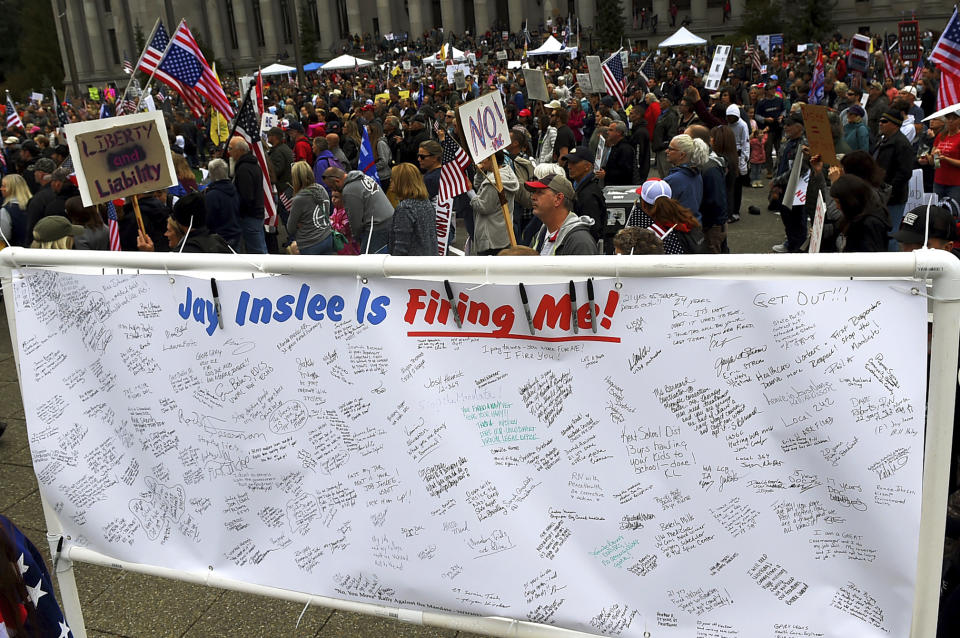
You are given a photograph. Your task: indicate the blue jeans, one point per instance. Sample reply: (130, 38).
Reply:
(942, 190)
(896, 216)
(378, 241)
(756, 172)
(253, 237)
(324, 247)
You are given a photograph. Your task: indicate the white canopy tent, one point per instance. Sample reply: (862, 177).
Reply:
(458, 55)
(682, 38)
(277, 69)
(345, 63)
(552, 46)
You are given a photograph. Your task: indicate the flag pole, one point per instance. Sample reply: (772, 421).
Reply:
(159, 62)
(142, 53)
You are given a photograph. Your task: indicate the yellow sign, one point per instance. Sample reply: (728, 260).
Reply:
(386, 96)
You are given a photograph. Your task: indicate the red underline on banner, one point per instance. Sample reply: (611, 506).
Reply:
(490, 335)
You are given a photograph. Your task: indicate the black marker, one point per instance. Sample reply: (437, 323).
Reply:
(216, 302)
(593, 315)
(573, 307)
(453, 305)
(526, 308)
(56, 558)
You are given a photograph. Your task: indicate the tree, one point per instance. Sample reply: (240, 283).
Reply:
(309, 38)
(812, 21)
(761, 17)
(610, 24)
(35, 62)
(139, 38)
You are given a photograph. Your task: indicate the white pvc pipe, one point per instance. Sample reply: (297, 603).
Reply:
(487, 625)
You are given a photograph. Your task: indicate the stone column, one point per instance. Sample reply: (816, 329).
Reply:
(416, 8)
(661, 9)
(448, 17)
(547, 15)
(272, 39)
(353, 18)
(481, 15)
(698, 12)
(96, 38)
(244, 33)
(586, 10)
(219, 39)
(328, 28)
(385, 16)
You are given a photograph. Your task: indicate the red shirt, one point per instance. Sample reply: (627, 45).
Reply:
(949, 146)
(303, 151)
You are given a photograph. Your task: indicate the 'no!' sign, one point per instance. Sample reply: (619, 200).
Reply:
(484, 126)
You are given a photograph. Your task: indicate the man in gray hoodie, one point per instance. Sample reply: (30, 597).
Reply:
(367, 206)
(563, 232)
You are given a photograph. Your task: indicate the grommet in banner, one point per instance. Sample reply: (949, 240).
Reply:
(914, 291)
(646, 634)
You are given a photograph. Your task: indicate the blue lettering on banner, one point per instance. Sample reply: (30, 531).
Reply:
(263, 310)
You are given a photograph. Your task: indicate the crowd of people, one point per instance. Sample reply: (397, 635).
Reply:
(706, 145)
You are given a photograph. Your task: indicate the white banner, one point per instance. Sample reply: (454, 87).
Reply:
(915, 195)
(816, 230)
(716, 67)
(763, 42)
(484, 126)
(453, 68)
(717, 458)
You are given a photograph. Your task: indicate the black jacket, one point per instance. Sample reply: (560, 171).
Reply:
(58, 205)
(36, 208)
(867, 233)
(201, 240)
(248, 181)
(223, 204)
(895, 156)
(154, 213)
(640, 140)
(410, 146)
(619, 168)
(590, 202)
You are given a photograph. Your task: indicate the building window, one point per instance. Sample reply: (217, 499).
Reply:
(232, 25)
(258, 23)
(106, 6)
(112, 36)
(285, 21)
(342, 19)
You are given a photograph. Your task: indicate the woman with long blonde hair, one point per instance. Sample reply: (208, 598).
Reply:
(13, 215)
(414, 229)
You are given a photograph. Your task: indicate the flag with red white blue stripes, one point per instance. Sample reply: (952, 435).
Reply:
(113, 227)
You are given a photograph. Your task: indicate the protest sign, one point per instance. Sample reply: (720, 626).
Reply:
(915, 195)
(536, 85)
(407, 65)
(351, 441)
(596, 73)
(484, 126)
(120, 156)
(453, 69)
(501, 55)
(460, 80)
(36, 97)
(149, 103)
(763, 41)
(909, 42)
(816, 123)
(583, 79)
(267, 122)
(816, 231)
(94, 93)
(720, 56)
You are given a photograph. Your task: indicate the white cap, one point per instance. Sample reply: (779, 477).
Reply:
(733, 109)
(912, 90)
(653, 189)
(553, 104)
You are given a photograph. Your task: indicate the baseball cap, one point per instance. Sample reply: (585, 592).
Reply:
(653, 189)
(894, 118)
(734, 110)
(556, 183)
(856, 109)
(581, 154)
(912, 90)
(914, 224)
(524, 113)
(13, 139)
(793, 118)
(294, 125)
(367, 107)
(44, 165)
(54, 227)
(553, 104)
(774, 78)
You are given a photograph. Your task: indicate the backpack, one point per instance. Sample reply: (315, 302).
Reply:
(694, 242)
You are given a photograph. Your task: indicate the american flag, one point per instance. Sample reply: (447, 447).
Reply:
(613, 77)
(13, 118)
(888, 66)
(816, 83)
(247, 126)
(918, 72)
(367, 162)
(150, 59)
(127, 64)
(113, 226)
(31, 570)
(62, 119)
(947, 51)
(753, 52)
(186, 63)
(453, 179)
(647, 71)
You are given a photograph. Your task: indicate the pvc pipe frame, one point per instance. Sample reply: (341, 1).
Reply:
(940, 266)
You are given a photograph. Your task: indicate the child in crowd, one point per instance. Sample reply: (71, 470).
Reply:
(758, 154)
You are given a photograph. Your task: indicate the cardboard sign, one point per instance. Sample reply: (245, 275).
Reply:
(596, 73)
(501, 55)
(120, 156)
(94, 93)
(915, 195)
(583, 79)
(817, 127)
(406, 65)
(536, 85)
(484, 126)
(763, 42)
(454, 68)
(720, 56)
(909, 42)
(267, 122)
(36, 97)
(460, 80)
(859, 59)
(816, 231)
